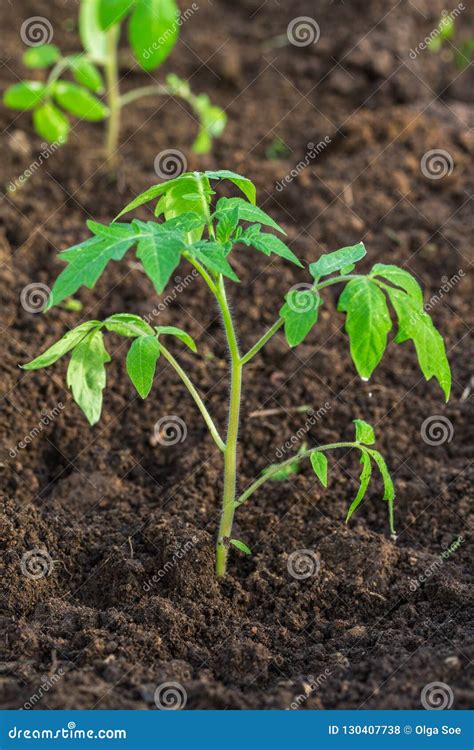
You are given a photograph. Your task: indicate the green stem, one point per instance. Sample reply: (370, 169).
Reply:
(277, 467)
(230, 454)
(155, 90)
(113, 94)
(195, 395)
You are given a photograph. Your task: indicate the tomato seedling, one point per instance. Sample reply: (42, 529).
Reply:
(153, 29)
(204, 233)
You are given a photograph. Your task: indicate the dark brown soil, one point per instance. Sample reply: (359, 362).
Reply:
(123, 609)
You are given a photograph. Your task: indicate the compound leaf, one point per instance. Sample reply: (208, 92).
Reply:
(337, 260)
(319, 463)
(367, 323)
(153, 31)
(364, 480)
(63, 346)
(86, 375)
(141, 363)
(401, 278)
(364, 432)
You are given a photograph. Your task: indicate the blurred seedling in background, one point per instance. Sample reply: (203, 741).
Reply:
(152, 30)
(446, 40)
(277, 149)
(196, 228)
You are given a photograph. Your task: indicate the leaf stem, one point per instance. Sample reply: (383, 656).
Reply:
(195, 395)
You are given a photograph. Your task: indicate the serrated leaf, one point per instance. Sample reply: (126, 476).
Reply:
(141, 363)
(243, 183)
(335, 261)
(86, 375)
(364, 483)
(300, 313)
(227, 224)
(126, 324)
(185, 222)
(240, 546)
(86, 73)
(367, 323)
(268, 244)
(24, 95)
(401, 278)
(111, 12)
(153, 192)
(93, 38)
(159, 252)
(153, 31)
(179, 333)
(246, 212)
(319, 463)
(415, 324)
(51, 124)
(86, 262)
(364, 432)
(212, 255)
(79, 102)
(63, 346)
(41, 56)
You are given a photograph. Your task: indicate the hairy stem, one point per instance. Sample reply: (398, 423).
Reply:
(113, 95)
(195, 395)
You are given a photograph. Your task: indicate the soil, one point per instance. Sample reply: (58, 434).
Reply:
(130, 600)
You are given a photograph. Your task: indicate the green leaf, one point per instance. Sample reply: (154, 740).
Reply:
(24, 95)
(141, 363)
(212, 120)
(243, 183)
(319, 463)
(111, 12)
(86, 375)
(415, 324)
(389, 489)
(179, 333)
(153, 192)
(185, 223)
(335, 261)
(300, 313)
(63, 346)
(240, 546)
(227, 224)
(268, 244)
(368, 323)
(50, 123)
(42, 56)
(364, 432)
(87, 261)
(79, 101)
(159, 252)
(364, 483)
(246, 212)
(86, 73)
(212, 255)
(93, 38)
(153, 31)
(126, 324)
(401, 278)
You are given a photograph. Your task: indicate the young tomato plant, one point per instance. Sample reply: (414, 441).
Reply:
(153, 28)
(204, 233)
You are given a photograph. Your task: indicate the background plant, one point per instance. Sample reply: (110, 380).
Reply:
(204, 233)
(152, 29)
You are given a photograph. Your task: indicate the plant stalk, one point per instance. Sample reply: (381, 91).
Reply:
(113, 95)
